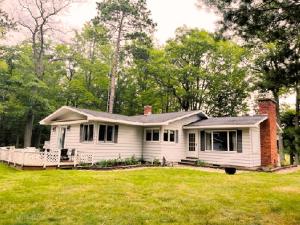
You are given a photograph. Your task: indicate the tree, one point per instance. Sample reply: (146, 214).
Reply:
(126, 20)
(196, 71)
(288, 118)
(268, 22)
(37, 17)
(6, 23)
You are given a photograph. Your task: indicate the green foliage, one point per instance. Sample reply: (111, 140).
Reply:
(200, 163)
(195, 71)
(117, 162)
(290, 132)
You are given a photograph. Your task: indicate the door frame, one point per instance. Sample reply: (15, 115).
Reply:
(194, 154)
(61, 145)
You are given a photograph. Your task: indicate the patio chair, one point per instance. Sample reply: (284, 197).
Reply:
(64, 154)
(72, 155)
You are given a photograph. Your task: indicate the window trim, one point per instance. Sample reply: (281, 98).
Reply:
(212, 140)
(151, 129)
(105, 134)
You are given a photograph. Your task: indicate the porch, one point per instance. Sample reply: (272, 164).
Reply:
(32, 158)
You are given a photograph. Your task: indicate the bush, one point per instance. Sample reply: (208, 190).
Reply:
(200, 163)
(117, 162)
(156, 162)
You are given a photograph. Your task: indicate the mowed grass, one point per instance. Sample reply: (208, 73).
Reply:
(147, 196)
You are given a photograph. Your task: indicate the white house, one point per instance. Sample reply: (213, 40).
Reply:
(246, 141)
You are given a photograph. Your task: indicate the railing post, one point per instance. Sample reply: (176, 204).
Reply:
(59, 153)
(23, 157)
(9, 156)
(45, 159)
(75, 158)
(14, 157)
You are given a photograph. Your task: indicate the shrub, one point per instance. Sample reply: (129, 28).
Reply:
(117, 162)
(156, 162)
(85, 164)
(200, 163)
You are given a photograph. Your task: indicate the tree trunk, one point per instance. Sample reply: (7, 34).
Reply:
(297, 147)
(28, 129)
(280, 139)
(114, 68)
(17, 140)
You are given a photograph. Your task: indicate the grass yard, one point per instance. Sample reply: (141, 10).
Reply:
(148, 196)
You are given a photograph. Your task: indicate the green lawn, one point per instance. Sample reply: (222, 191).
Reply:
(148, 196)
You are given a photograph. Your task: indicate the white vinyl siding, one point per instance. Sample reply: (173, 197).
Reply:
(129, 143)
(247, 157)
(173, 151)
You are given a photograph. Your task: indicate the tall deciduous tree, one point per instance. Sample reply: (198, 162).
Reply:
(37, 17)
(272, 21)
(199, 71)
(126, 20)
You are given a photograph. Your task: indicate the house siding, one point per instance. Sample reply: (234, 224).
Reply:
(176, 151)
(129, 143)
(249, 157)
(152, 149)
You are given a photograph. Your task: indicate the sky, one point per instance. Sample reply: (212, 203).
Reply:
(168, 14)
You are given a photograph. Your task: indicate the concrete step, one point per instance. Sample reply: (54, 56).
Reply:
(188, 163)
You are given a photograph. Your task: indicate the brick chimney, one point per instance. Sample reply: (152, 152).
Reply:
(147, 110)
(268, 132)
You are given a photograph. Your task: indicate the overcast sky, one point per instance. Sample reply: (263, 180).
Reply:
(168, 14)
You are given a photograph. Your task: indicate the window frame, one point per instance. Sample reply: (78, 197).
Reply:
(212, 140)
(105, 134)
(168, 131)
(152, 129)
(88, 130)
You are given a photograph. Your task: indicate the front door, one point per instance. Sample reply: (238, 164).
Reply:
(62, 137)
(192, 144)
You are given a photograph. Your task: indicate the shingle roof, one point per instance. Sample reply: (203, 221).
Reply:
(229, 121)
(149, 119)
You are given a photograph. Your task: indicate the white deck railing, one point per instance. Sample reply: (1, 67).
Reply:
(29, 157)
(34, 157)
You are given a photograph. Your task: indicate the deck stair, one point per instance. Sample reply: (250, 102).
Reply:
(189, 161)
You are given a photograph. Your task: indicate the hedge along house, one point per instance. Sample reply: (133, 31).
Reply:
(246, 141)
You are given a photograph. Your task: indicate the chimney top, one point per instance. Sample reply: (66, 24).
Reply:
(265, 99)
(147, 110)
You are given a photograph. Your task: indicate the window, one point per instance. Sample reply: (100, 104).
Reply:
(87, 132)
(102, 131)
(232, 141)
(148, 135)
(110, 130)
(170, 135)
(166, 135)
(106, 133)
(192, 142)
(208, 140)
(155, 135)
(221, 140)
(152, 134)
